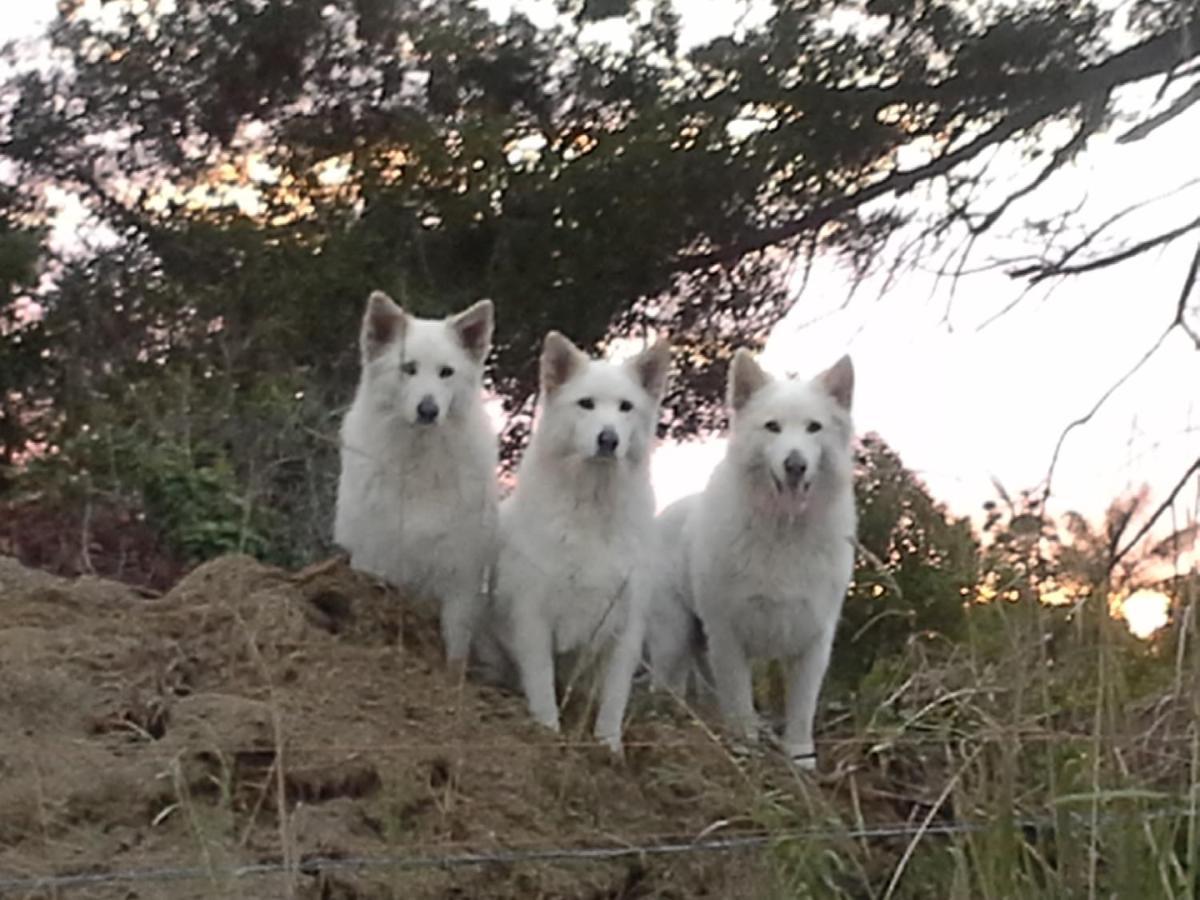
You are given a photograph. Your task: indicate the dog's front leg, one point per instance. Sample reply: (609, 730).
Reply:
(731, 670)
(669, 643)
(533, 648)
(805, 673)
(461, 605)
(618, 679)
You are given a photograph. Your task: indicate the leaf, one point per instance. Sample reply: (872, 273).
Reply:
(1002, 492)
(598, 10)
(1026, 524)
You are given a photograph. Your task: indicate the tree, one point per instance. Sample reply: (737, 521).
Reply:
(254, 168)
(20, 347)
(917, 573)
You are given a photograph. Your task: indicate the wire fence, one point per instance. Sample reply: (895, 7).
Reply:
(666, 846)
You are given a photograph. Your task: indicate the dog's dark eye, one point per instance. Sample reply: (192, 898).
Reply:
(445, 372)
(626, 406)
(773, 427)
(587, 403)
(409, 368)
(814, 427)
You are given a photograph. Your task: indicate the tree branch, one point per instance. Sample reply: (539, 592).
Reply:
(1149, 523)
(1181, 310)
(1178, 321)
(1088, 416)
(1042, 271)
(1071, 252)
(1179, 107)
(1060, 156)
(1151, 57)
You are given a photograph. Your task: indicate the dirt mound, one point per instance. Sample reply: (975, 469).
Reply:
(256, 717)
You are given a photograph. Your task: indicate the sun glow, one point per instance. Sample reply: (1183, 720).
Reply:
(1144, 611)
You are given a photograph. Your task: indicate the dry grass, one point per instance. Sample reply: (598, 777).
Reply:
(255, 716)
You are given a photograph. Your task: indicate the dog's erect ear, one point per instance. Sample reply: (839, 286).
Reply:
(560, 361)
(474, 328)
(745, 378)
(838, 380)
(383, 323)
(652, 367)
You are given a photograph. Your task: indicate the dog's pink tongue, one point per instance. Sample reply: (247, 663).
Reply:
(789, 502)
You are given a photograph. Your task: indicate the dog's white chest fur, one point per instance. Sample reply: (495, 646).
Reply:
(575, 559)
(414, 508)
(776, 587)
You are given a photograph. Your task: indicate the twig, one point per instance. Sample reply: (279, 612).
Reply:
(1087, 417)
(1149, 523)
(1181, 310)
(1072, 251)
(1177, 108)
(1041, 272)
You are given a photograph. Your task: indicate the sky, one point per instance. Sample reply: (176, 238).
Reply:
(963, 402)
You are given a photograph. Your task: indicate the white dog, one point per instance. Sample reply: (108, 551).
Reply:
(575, 562)
(763, 557)
(416, 501)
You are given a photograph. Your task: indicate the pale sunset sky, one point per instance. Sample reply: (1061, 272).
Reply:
(964, 402)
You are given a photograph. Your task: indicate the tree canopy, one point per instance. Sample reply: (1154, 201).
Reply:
(244, 172)
(254, 168)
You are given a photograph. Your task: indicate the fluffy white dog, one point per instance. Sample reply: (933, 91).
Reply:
(763, 556)
(576, 557)
(416, 501)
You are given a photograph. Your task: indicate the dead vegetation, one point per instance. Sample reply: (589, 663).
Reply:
(254, 716)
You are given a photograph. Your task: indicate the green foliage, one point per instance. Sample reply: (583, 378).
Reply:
(581, 185)
(208, 482)
(195, 505)
(1059, 752)
(20, 342)
(916, 574)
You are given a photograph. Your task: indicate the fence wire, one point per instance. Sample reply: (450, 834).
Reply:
(314, 866)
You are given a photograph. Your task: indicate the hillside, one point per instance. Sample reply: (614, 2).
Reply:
(253, 716)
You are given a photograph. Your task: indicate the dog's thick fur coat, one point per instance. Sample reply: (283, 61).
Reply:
(417, 496)
(576, 558)
(762, 558)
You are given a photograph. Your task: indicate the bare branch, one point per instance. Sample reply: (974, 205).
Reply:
(1061, 156)
(1007, 308)
(1136, 63)
(1042, 271)
(1181, 310)
(1147, 127)
(1149, 523)
(1091, 236)
(1178, 321)
(1088, 416)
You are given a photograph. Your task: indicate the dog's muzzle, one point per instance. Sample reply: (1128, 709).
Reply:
(795, 468)
(427, 411)
(607, 442)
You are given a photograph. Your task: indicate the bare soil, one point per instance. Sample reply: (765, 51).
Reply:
(255, 716)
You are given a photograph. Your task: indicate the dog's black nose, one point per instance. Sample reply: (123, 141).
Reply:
(606, 442)
(795, 468)
(427, 411)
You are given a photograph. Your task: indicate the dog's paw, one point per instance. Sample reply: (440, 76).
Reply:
(803, 761)
(745, 749)
(613, 743)
(456, 670)
(548, 722)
